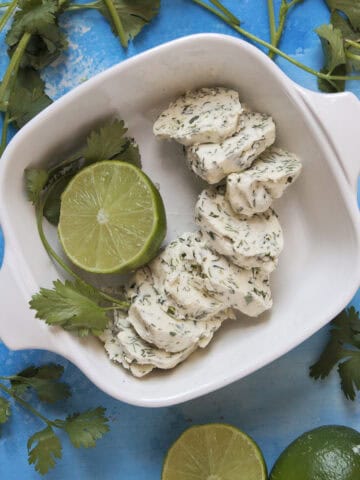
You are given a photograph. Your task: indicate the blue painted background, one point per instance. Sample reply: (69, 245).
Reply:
(273, 405)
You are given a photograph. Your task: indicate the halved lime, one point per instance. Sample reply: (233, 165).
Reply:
(214, 452)
(331, 452)
(112, 218)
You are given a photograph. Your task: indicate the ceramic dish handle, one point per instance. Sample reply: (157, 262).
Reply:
(339, 114)
(13, 331)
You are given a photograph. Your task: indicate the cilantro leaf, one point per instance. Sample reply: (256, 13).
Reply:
(85, 428)
(335, 59)
(134, 15)
(105, 143)
(44, 48)
(349, 34)
(5, 411)
(338, 21)
(343, 349)
(46, 450)
(71, 305)
(35, 181)
(53, 201)
(27, 97)
(349, 372)
(44, 380)
(38, 18)
(32, 16)
(351, 8)
(130, 154)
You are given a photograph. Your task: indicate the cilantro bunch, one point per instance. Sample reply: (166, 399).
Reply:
(35, 40)
(44, 447)
(343, 351)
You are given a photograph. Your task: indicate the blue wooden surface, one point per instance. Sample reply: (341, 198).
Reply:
(275, 404)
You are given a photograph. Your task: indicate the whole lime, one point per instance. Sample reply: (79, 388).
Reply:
(326, 453)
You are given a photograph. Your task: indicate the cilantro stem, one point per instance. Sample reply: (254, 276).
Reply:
(51, 252)
(276, 50)
(26, 405)
(4, 133)
(67, 161)
(117, 22)
(13, 66)
(272, 23)
(11, 7)
(227, 12)
(276, 33)
(352, 56)
(82, 6)
(352, 43)
(113, 14)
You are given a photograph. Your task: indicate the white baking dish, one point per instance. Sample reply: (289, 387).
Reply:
(319, 270)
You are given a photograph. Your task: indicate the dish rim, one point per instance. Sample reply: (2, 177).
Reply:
(289, 87)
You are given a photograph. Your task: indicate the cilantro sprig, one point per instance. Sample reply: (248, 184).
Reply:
(44, 447)
(76, 305)
(343, 351)
(35, 40)
(325, 76)
(127, 18)
(341, 43)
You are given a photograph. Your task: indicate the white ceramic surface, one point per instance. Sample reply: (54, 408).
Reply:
(319, 270)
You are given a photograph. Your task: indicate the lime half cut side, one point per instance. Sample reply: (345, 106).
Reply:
(214, 452)
(112, 218)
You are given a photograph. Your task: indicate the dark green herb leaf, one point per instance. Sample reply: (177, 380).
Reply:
(44, 380)
(335, 59)
(31, 17)
(349, 372)
(106, 142)
(134, 14)
(44, 48)
(130, 154)
(53, 202)
(46, 450)
(85, 428)
(333, 46)
(343, 349)
(338, 21)
(35, 181)
(348, 33)
(71, 305)
(5, 411)
(49, 371)
(351, 8)
(27, 98)
(39, 18)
